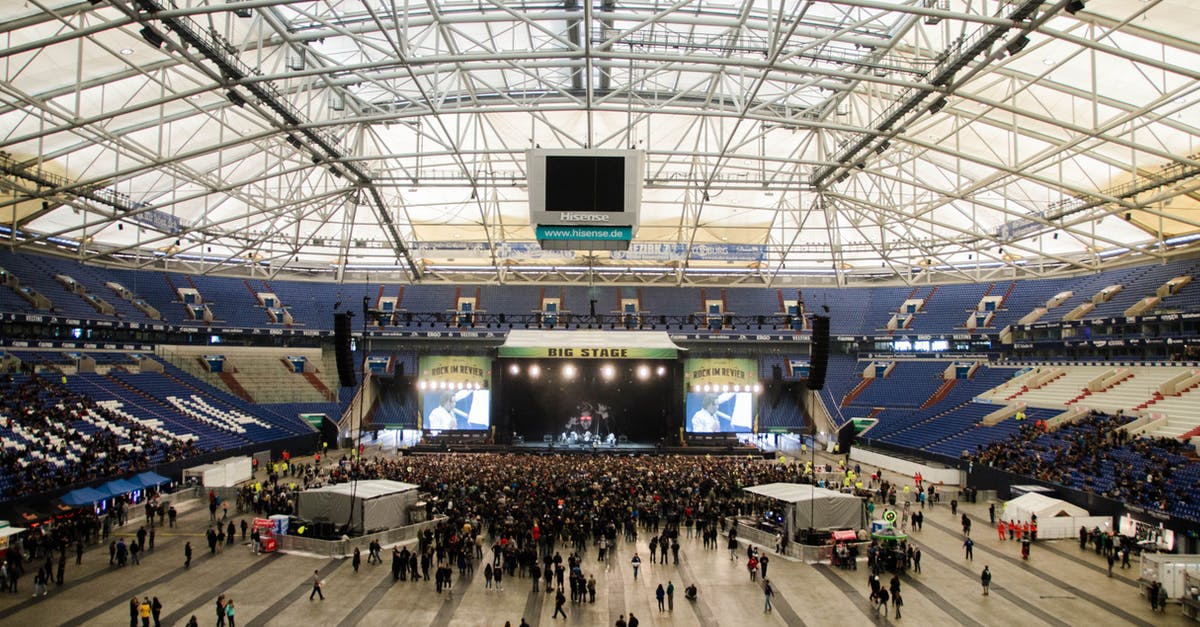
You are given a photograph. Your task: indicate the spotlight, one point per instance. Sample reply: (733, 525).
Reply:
(151, 37)
(643, 372)
(737, 387)
(884, 145)
(569, 371)
(1075, 6)
(607, 371)
(1017, 45)
(235, 98)
(725, 387)
(293, 141)
(757, 387)
(514, 369)
(422, 384)
(662, 370)
(535, 370)
(696, 387)
(938, 105)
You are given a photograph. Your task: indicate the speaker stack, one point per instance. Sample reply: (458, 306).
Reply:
(341, 343)
(819, 357)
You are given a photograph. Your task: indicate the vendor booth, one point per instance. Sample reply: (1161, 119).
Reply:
(891, 555)
(225, 473)
(809, 507)
(8, 534)
(365, 506)
(1056, 519)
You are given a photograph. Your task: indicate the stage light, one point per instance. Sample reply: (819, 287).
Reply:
(757, 387)
(662, 370)
(422, 384)
(696, 388)
(514, 369)
(1074, 6)
(643, 372)
(607, 371)
(737, 387)
(1017, 45)
(569, 371)
(535, 370)
(725, 387)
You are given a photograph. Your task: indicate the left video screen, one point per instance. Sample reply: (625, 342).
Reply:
(451, 410)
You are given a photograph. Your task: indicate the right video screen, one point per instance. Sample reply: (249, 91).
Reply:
(714, 412)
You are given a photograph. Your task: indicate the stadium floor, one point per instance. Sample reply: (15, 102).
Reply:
(1060, 585)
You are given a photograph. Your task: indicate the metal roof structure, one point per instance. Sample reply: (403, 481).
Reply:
(833, 142)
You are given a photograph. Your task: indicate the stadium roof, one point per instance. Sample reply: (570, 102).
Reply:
(792, 142)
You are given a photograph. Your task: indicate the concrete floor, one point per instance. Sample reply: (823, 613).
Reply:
(1060, 585)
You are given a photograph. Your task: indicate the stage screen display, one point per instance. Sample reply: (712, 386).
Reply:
(712, 412)
(450, 410)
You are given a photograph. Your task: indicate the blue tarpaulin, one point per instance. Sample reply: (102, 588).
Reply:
(147, 479)
(119, 486)
(84, 496)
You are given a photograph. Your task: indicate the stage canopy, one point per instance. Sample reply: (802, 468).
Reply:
(816, 508)
(1020, 508)
(589, 344)
(370, 505)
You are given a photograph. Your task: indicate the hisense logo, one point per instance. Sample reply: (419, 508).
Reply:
(583, 217)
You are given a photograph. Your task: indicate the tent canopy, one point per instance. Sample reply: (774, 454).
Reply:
(1021, 508)
(816, 508)
(365, 489)
(118, 486)
(147, 479)
(83, 496)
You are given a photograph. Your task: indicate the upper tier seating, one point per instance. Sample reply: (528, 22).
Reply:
(854, 310)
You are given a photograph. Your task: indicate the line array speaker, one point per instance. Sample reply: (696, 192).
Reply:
(819, 358)
(341, 345)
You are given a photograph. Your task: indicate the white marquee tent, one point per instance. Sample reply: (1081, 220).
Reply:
(369, 505)
(1056, 518)
(808, 506)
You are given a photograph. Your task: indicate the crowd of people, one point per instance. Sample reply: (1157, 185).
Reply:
(56, 454)
(1095, 454)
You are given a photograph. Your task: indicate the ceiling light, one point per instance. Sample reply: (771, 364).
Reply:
(126, 51)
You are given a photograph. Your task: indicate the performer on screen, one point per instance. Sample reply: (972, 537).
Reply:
(442, 417)
(705, 419)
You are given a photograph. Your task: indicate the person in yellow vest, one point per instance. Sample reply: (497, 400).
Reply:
(1020, 415)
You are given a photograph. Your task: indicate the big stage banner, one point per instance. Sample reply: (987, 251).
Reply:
(588, 344)
(730, 371)
(461, 369)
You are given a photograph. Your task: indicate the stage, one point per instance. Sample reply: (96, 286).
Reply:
(620, 448)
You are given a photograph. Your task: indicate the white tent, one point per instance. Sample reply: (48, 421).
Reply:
(1045, 507)
(227, 472)
(367, 505)
(812, 507)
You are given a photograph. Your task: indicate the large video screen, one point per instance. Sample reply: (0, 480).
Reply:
(449, 410)
(712, 412)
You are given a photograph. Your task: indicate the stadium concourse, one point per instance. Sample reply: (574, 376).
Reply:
(1059, 585)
